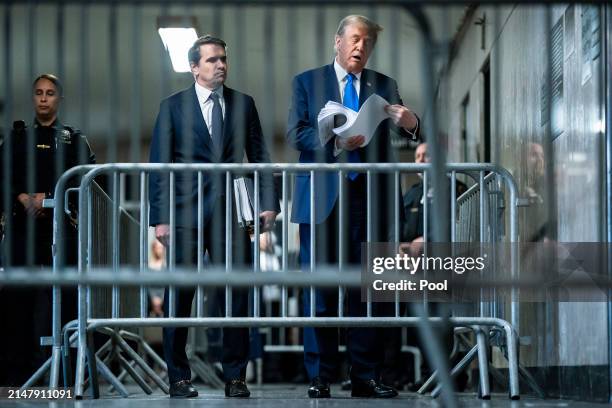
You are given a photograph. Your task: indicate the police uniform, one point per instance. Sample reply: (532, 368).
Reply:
(52, 150)
(413, 209)
(41, 154)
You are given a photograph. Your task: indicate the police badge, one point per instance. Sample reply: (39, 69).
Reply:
(63, 136)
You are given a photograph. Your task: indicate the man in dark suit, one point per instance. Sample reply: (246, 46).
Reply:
(345, 81)
(207, 123)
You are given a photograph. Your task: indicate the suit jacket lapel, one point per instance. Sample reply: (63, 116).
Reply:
(193, 115)
(365, 87)
(332, 92)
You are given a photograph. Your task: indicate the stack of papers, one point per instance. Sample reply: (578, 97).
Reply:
(245, 203)
(364, 122)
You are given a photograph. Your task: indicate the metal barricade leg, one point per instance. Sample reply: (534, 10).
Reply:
(428, 383)
(461, 365)
(512, 344)
(141, 363)
(110, 377)
(79, 377)
(128, 367)
(38, 374)
(66, 365)
(483, 363)
(56, 355)
(121, 375)
(91, 363)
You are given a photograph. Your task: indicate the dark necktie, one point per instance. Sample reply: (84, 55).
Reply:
(216, 126)
(351, 101)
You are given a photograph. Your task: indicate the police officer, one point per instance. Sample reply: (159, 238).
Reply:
(41, 153)
(413, 201)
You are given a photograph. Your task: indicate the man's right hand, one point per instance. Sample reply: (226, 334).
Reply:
(349, 143)
(413, 248)
(33, 204)
(162, 233)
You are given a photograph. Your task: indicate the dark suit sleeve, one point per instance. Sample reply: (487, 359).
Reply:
(414, 134)
(161, 152)
(257, 152)
(301, 134)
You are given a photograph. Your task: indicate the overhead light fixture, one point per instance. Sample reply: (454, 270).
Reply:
(178, 35)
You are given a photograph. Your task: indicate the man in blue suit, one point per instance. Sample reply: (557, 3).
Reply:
(348, 82)
(207, 123)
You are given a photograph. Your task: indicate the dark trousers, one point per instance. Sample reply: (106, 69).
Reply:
(235, 353)
(321, 344)
(26, 312)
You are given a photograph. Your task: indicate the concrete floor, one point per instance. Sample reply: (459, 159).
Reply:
(289, 396)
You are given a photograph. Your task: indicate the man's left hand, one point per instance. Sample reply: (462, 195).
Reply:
(402, 116)
(268, 219)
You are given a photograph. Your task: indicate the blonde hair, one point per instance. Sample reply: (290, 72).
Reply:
(373, 28)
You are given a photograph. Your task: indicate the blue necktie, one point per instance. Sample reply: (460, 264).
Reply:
(216, 126)
(351, 101)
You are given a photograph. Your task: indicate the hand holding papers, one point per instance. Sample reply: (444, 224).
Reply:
(364, 122)
(244, 195)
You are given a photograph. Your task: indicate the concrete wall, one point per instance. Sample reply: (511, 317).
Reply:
(567, 334)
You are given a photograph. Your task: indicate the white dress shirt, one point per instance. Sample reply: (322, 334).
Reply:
(341, 77)
(206, 104)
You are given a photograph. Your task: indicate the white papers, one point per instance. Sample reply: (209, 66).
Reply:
(243, 195)
(364, 122)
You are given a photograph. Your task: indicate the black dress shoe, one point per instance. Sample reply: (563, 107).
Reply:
(182, 389)
(236, 389)
(346, 385)
(319, 388)
(371, 389)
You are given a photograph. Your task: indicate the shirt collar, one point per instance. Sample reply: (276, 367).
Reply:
(204, 93)
(341, 72)
(54, 124)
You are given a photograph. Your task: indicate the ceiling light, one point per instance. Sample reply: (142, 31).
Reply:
(178, 35)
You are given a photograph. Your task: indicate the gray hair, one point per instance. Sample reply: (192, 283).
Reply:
(373, 28)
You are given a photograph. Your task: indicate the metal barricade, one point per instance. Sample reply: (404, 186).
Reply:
(104, 302)
(480, 218)
(118, 276)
